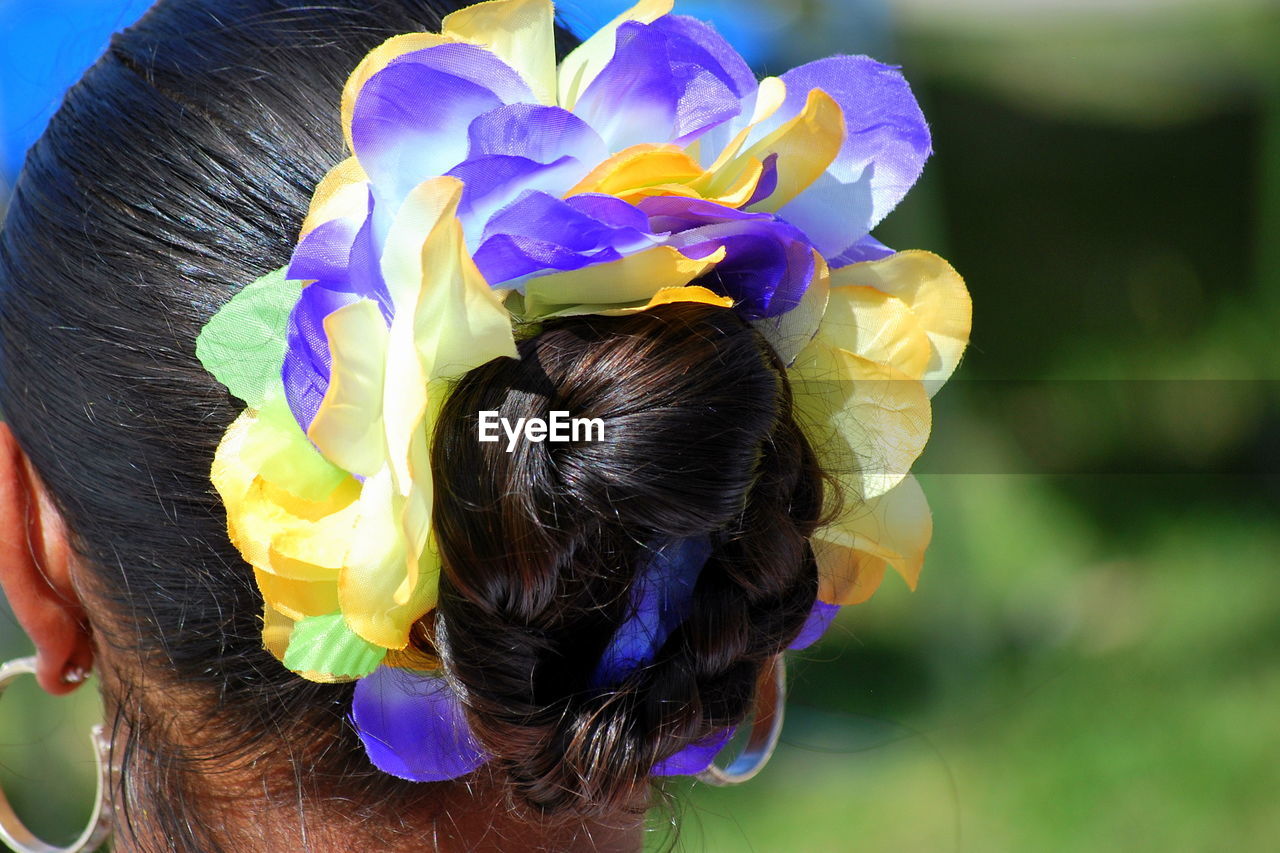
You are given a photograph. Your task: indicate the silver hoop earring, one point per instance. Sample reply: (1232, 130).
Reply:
(14, 833)
(766, 729)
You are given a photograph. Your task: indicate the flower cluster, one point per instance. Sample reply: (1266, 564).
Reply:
(489, 186)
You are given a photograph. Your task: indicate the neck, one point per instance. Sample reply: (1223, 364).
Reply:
(198, 796)
(472, 823)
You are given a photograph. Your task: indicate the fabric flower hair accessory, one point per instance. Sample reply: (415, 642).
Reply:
(489, 186)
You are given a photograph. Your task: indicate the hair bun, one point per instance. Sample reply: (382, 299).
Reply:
(542, 542)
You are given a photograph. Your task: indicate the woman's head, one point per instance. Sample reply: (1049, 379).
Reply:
(181, 168)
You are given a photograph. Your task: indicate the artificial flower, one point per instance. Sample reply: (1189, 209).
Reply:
(488, 186)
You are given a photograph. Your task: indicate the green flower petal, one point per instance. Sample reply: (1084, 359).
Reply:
(325, 644)
(243, 345)
(292, 462)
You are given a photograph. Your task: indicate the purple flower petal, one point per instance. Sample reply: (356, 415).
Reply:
(769, 263)
(698, 42)
(662, 598)
(505, 259)
(540, 232)
(669, 81)
(768, 183)
(413, 726)
(820, 619)
(340, 258)
(542, 134)
(412, 118)
(324, 254)
(307, 360)
(611, 210)
(766, 271)
(883, 155)
(866, 249)
(695, 757)
(572, 225)
(521, 147)
(834, 215)
(343, 255)
(674, 214)
(493, 182)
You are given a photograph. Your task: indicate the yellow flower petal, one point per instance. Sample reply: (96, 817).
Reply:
(891, 530)
(234, 464)
(311, 538)
(624, 282)
(736, 192)
(692, 293)
(343, 193)
(934, 292)
(846, 576)
(404, 400)
(348, 427)
(422, 561)
(878, 327)
(770, 97)
(666, 296)
(411, 658)
(448, 321)
(646, 170)
(274, 530)
(805, 147)
(258, 520)
(519, 32)
(403, 263)
(415, 526)
(459, 321)
(455, 323)
(297, 599)
(374, 563)
(378, 59)
(276, 631)
(792, 332)
(583, 65)
(296, 539)
(268, 443)
(375, 570)
(629, 173)
(459, 324)
(282, 455)
(869, 421)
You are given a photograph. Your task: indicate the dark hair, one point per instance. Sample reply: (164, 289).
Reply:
(178, 170)
(540, 553)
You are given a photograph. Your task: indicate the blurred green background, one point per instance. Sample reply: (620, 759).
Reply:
(1092, 660)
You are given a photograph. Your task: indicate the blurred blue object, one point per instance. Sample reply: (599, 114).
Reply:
(772, 35)
(45, 45)
(749, 31)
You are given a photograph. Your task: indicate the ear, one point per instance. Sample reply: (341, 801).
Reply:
(35, 572)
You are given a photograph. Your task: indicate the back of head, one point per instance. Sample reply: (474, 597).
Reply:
(179, 169)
